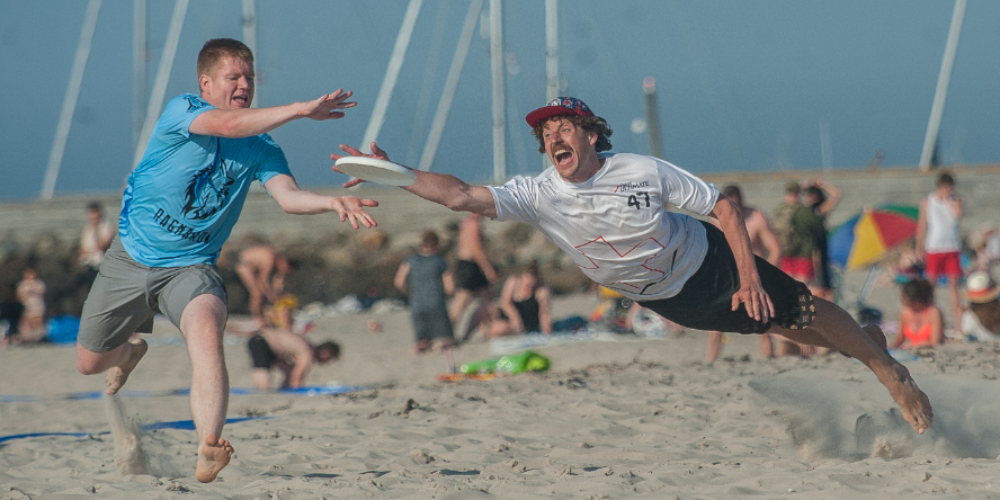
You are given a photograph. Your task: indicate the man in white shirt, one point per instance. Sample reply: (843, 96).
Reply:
(939, 243)
(607, 212)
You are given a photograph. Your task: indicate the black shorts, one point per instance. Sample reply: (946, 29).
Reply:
(469, 276)
(706, 300)
(261, 353)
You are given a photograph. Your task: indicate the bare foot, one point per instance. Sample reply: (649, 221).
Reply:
(214, 456)
(911, 400)
(117, 375)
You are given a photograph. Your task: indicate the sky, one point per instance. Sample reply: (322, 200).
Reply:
(741, 86)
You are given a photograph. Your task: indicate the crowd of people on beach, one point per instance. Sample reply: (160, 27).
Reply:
(726, 268)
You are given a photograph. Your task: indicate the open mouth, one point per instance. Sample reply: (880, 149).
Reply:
(563, 157)
(241, 100)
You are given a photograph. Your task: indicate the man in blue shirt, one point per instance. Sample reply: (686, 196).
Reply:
(178, 209)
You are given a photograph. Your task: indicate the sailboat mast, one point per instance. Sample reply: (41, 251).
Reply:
(937, 109)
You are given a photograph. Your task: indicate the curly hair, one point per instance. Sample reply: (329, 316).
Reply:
(594, 124)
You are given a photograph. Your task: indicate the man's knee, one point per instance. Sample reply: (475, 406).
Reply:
(87, 361)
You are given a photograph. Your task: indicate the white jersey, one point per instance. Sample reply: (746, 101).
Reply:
(615, 225)
(942, 227)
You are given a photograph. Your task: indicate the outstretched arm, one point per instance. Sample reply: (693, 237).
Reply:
(751, 292)
(443, 189)
(294, 200)
(248, 122)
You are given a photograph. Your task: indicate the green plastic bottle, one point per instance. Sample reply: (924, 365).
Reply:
(527, 361)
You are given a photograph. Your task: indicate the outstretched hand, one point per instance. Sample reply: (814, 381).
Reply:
(351, 151)
(755, 299)
(323, 108)
(351, 208)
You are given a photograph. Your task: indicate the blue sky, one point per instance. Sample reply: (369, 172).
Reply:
(741, 85)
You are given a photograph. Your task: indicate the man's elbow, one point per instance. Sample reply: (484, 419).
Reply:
(458, 204)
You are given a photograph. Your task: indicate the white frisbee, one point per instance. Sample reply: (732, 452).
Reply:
(375, 170)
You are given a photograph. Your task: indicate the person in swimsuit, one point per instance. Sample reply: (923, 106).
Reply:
(262, 270)
(919, 319)
(291, 354)
(765, 244)
(473, 276)
(526, 305)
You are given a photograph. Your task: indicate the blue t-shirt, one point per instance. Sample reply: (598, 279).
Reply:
(183, 199)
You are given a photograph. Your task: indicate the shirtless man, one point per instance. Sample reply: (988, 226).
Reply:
(608, 212)
(764, 244)
(291, 354)
(262, 271)
(473, 276)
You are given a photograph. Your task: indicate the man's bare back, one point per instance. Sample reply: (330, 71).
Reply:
(763, 241)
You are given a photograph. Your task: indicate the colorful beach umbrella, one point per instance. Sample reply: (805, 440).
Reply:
(863, 239)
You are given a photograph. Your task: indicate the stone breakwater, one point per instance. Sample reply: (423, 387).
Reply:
(330, 259)
(333, 260)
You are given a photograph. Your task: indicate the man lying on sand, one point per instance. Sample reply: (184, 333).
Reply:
(608, 212)
(180, 206)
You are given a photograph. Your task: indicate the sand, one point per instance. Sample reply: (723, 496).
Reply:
(630, 418)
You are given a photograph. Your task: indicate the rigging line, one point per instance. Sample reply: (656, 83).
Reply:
(430, 71)
(69, 103)
(391, 74)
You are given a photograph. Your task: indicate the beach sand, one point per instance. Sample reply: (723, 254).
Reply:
(630, 418)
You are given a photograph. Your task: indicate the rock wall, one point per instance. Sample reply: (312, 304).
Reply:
(334, 260)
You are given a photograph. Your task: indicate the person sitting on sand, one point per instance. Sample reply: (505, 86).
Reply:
(981, 321)
(608, 212)
(291, 354)
(920, 321)
(525, 305)
(178, 209)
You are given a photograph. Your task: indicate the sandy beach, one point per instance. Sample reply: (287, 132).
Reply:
(626, 418)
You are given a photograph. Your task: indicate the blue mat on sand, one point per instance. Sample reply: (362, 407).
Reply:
(185, 425)
(319, 390)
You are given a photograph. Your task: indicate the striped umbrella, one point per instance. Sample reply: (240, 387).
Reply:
(863, 239)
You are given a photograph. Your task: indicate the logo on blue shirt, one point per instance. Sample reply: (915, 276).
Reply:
(207, 192)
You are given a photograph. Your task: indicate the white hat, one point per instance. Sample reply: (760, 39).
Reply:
(980, 288)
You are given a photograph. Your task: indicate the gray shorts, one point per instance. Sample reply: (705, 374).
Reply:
(127, 295)
(432, 324)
